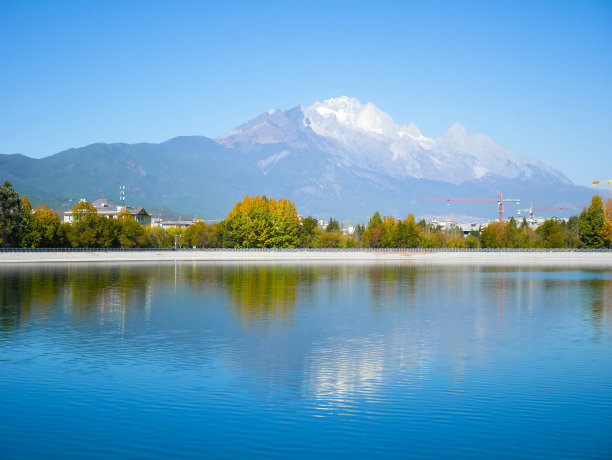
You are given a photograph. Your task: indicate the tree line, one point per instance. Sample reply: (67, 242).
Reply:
(262, 222)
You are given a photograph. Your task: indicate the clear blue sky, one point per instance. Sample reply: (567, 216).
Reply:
(534, 76)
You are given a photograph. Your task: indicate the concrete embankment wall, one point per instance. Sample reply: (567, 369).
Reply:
(492, 257)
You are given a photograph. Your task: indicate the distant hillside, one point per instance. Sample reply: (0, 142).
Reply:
(186, 174)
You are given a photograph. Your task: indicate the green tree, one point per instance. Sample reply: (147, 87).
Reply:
(359, 231)
(591, 224)
(329, 240)
(348, 242)
(572, 225)
(160, 237)
(527, 237)
(435, 239)
(471, 241)
(388, 236)
(201, 235)
(308, 232)
(196, 235)
(401, 234)
(513, 233)
(493, 236)
(413, 236)
(107, 233)
(133, 235)
(83, 232)
(372, 235)
(333, 225)
(13, 217)
(215, 238)
(553, 234)
(454, 238)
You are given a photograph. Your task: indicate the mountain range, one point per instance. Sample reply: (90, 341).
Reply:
(335, 158)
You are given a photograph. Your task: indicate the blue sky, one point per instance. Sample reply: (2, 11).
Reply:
(534, 76)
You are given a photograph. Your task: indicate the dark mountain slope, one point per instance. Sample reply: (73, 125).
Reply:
(188, 174)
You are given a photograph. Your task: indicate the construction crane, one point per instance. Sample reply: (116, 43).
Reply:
(531, 210)
(500, 202)
(603, 182)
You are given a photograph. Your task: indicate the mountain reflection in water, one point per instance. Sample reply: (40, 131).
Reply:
(403, 351)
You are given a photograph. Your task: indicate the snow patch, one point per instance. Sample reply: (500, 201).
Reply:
(479, 172)
(269, 162)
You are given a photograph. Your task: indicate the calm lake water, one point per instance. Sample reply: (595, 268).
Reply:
(313, 360)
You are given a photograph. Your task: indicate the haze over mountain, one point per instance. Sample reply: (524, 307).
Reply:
(335, 158)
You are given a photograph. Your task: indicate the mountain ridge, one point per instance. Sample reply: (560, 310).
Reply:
(368, 163)
(364, 135)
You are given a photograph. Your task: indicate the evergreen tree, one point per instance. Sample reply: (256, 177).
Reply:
(372, 236)
(308, 231)
(333, 225)
(591, 224)
(13, 217)
(359, 230)
(572, 225)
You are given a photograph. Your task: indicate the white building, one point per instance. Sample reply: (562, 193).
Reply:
(173, 222)
(105, 208)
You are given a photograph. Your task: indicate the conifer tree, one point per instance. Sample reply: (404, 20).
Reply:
(591, 224)
(13, 221)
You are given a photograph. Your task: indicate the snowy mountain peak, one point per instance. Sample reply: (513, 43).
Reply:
(338, 104)
(344, 117)
(410, 130)
(364, 136)
(344, 112)
(457, 131)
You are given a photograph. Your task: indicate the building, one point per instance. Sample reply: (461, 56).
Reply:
(105, 208)
(468, 228)
(168, 222)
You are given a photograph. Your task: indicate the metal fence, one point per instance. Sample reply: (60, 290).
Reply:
(390, 250)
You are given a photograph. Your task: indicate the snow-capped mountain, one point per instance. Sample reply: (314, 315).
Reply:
(363, 136)
(336, 158)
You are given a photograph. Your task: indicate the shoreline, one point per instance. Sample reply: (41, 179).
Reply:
(552, 258)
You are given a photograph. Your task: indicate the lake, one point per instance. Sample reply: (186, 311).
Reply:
(235, 360)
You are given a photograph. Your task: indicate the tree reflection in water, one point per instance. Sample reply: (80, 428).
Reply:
(266, 295)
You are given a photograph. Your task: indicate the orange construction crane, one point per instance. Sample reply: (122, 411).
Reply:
(531, 210)
(602, 182)
(500, 202)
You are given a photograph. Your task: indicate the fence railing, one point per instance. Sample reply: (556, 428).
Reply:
(390, 250)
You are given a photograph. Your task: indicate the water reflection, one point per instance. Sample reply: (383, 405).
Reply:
(85, 293)
(343, 325)
(377, 354)
(264, 295)
(596, 301)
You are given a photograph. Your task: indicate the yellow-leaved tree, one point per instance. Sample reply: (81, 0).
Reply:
(607, 230)
(261, 222)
